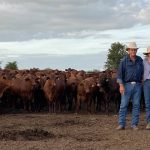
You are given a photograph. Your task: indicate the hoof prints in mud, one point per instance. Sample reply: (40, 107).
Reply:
(90, 139)
(85, 137)
(29, 134)
(74, 122)
(67, 123)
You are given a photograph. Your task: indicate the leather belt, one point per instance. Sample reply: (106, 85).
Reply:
(133, 82)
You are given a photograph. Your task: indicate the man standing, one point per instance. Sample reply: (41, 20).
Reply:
(146, 63)
(130, 74)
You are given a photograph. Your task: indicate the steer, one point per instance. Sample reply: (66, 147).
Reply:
(84, 93)
(23, 88)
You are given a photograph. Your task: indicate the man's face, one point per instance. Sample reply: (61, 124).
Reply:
(132, 52)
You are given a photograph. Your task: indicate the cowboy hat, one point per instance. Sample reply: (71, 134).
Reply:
(148, 51)
(132, 45)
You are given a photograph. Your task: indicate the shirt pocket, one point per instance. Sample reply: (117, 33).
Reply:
(129, 69)
(139, 67)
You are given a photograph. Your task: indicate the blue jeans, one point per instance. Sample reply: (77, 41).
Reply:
(147, 98)
(132, 92)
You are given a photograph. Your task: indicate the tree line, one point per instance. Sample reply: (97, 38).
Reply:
(11, 65)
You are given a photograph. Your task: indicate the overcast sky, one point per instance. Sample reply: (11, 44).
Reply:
(71, 27)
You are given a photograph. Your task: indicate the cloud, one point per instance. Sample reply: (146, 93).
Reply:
(51, 46)
(29, 19)
(88, 43)
(144, 16)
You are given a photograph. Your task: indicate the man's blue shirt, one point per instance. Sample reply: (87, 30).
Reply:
(129, 70)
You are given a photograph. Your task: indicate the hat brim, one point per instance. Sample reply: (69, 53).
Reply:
(146, 53)
(131, 48)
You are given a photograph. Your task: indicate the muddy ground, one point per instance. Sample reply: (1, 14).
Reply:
(70, 132)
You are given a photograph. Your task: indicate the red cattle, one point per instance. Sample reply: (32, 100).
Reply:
(84, 93)
(23, 88)
(4, 85)
(49, 90)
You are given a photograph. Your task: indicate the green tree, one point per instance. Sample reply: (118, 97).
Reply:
(11, 65)
(115, 53)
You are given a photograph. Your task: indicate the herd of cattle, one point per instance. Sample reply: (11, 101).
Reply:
(59, 91)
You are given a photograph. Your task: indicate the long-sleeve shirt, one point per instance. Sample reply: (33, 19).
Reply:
(130, 71)
(146, 69)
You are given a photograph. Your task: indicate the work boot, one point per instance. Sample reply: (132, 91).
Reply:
(120, 127)
(148, 126)
(135, 128)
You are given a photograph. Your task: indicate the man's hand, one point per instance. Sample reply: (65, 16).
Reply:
(122, 89)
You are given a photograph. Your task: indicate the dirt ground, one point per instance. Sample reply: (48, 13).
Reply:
(70, 132)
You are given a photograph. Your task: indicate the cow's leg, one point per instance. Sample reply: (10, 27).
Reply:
(107, 108)
(89, 108)
(98, 103)
(54, 107)
(77, 105)
(30, 105)
(24, 105)
(49, 107)
(57, 109)
(75, 101)
(93, 103)
(117, 103)
(108, 100)
(68, 100)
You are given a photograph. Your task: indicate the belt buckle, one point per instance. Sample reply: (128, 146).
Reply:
(133, 82)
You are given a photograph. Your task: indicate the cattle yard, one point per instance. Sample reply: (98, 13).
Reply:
(52, 109)
(44, 131)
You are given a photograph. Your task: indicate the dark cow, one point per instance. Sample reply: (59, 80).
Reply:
(60, 92)
(115, 94)
(38, 93)
(108, 91)
(104, 92)
(71, 91)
